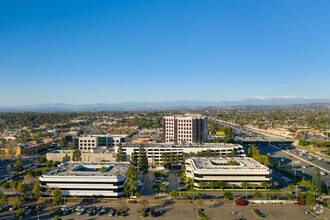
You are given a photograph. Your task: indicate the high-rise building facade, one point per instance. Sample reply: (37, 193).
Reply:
(185, 129)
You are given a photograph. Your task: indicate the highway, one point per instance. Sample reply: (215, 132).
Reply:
(284, 156)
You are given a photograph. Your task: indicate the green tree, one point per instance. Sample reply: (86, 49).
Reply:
(200, 195)
(310, 199)
(56, 217)
(228, 131)
(177, 159)
(37, 189)
(14, 184)
(221, 184)
(164, 158)
(42, 159)
(165, 175)
(244, 185)
(57, 197)
(157, 175)
(76, 155)
(19, 165)
(174, 194)
(56, 163)
(184, 195)
(18, 202)
(257, 195)
(66, 158)
(134, 158)
(265, 161)
(102, 169)
(5, 185)
(171, 160)
(316, 181)
(291, 187)
(192, 195)
(232, 186)
(278, 195)
(227, 195)
(164, 188)
(63, 142)
(301, 195)
(269, 196)
(45, 170)
(3, 200)
(131, 176)
(233, 153)
(189, 183)
(143, 160)
(50, 163)
(211, 185)
(289, 195)
(264, 185)
(254, 186)
(121, 156)
(20, 213)
(276, 184)
(202, 185)
(21, 188)
(208, 153)
(155, 188)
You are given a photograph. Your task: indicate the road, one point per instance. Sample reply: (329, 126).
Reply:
(29, 162)
(284, 156)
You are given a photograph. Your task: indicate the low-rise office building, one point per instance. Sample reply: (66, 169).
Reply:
(89, 142)
(155, 150)
(87, 179)
(230, 170)
(93, 156)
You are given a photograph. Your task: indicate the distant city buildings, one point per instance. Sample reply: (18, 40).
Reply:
(185, 129)
(227, 169)
(87, 179)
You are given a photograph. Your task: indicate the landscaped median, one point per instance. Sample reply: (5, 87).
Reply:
(202, 215)
(258, 213)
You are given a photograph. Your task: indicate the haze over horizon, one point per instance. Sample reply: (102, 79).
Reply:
(89, 52)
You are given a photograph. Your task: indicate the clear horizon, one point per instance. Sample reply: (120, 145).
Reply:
(153, 51)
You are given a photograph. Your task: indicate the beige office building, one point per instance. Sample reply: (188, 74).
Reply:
(185, 129)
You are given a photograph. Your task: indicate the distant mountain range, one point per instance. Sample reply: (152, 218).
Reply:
(133, 106)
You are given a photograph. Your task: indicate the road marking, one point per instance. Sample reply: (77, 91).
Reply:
(300, 158)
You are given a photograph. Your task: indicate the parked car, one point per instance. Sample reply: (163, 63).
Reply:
(152, 213)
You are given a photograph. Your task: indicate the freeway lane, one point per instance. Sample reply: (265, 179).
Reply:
(284, 157)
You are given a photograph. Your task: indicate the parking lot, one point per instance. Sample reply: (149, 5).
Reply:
(172, 180)
(188, 211)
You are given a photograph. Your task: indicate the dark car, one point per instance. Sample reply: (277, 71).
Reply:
(152, 213)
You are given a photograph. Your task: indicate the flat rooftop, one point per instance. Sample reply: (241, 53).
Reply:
(223, 163)
(110, 169)
(188, 145)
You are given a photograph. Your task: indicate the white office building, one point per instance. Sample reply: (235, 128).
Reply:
(213, 169)
(87, 179)
(155, 150)
(185, 129)
(89, 142)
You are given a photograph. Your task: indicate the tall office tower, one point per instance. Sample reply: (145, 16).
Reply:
(185, 129)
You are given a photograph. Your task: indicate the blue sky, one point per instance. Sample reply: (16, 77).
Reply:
(81, 52)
